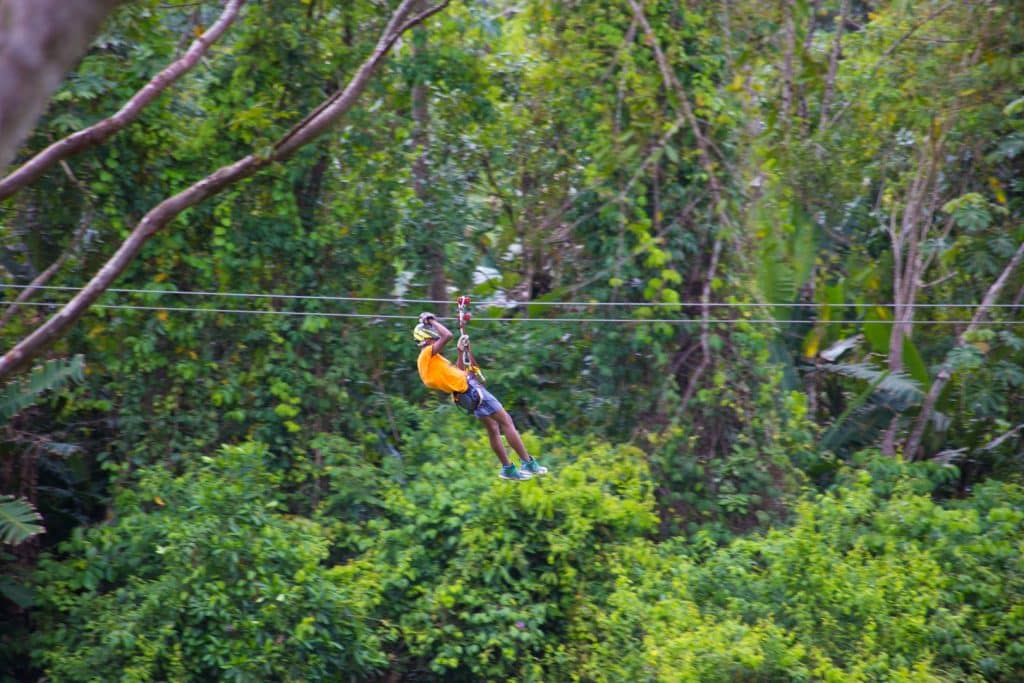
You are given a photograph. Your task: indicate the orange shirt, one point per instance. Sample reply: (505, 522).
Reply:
(437, 372)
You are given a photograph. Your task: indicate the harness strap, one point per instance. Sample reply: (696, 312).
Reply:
(469, 400)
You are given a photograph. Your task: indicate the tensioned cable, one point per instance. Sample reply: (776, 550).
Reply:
(484, 304)
(384, 316)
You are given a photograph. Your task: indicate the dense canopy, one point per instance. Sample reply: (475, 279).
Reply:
(747, 275)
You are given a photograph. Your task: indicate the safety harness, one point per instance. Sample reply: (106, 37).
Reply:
(470, 399)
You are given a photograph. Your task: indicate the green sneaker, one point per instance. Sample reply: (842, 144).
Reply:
(533, 467)
(510, 472)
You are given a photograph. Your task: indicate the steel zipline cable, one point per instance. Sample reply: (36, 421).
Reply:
(483, 319)
(400, 301)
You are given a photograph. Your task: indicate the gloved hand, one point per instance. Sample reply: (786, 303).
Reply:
(463, 343)
(426, 318)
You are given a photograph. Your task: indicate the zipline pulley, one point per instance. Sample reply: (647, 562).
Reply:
(464, 316)
(467, 355)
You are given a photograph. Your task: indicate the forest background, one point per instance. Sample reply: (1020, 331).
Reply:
(747, 274)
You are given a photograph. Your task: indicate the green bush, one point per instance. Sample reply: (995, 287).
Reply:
(202, 577)
(862, 586)
(480, 576)
(449, 573)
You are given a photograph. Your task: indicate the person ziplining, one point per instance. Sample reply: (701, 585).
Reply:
(465, 383)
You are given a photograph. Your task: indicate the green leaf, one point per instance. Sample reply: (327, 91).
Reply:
(314, 323)
(1014, 107)
(970, 211)
(877, 332)
(17, 593)
(915, 364)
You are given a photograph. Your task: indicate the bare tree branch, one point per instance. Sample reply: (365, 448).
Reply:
(39, 41)
(705, 328)
(160, 215)
(946, 372)
(998, 441)
(672, 83)
(787, 64)
(423, 16)
(103, 130)
(84, 221)
(833, 65)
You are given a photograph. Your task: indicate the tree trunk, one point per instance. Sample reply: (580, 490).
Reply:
(40, 40)
(438, 288)
(101, 131)
(907, 235)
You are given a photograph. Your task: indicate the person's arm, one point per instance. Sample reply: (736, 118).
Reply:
(466, 354)
(446, 335)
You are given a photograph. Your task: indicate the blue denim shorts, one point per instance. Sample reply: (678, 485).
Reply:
(488, 404)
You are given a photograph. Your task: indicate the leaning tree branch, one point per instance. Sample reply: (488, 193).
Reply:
(946, 372)
(76, 240)
(998, 441)
(422, 16)
(101, 131)
(160, 215)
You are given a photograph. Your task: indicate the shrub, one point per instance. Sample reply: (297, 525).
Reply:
(202, 577)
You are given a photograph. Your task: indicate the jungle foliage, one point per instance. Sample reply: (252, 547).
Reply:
(799, 457)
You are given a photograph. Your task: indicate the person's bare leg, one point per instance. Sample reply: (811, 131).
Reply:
(494, 436)
(508, 428)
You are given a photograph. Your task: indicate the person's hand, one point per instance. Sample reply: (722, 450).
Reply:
(426, 317)
(463, 343)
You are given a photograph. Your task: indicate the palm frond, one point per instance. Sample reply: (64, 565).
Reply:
(835, 433)
(52, 374)
(897, 390)
(19, 520)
